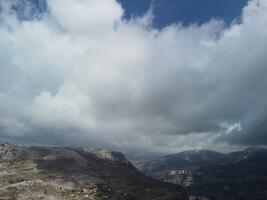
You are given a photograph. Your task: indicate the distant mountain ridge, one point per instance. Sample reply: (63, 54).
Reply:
(192, 158)
(233, 176)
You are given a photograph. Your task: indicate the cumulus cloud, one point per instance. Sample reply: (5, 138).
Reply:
(85, 16)
(80, 74)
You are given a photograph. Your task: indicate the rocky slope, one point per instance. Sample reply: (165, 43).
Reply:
(233, 176)
(178, 168)
(245, 178)
(33, 172)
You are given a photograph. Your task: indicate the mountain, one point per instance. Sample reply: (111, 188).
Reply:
(234, 176)
(36, 172)
(161, 167)
(183, 159)
(243, 178)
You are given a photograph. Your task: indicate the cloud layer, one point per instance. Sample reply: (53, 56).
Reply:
(82, 75)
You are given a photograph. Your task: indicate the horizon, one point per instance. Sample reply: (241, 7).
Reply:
(135, 154)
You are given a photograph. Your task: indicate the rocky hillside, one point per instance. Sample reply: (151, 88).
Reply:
(233, 176)
(245, 178)
(34, 172)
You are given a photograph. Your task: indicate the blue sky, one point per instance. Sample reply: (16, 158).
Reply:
(185, 11)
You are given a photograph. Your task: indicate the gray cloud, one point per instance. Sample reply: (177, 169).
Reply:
(88, 78)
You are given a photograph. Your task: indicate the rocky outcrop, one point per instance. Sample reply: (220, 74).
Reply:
(9, 153)
(110, 155)
(179, 177)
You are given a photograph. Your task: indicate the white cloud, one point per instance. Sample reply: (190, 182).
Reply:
(85, 15)
(84, 74)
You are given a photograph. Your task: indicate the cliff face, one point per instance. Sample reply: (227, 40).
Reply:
(34, 172)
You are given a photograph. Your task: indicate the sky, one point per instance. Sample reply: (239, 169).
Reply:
(186, 12)
(154, 77)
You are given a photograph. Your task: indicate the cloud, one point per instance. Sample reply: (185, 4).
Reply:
(82, 16)
(80, 74)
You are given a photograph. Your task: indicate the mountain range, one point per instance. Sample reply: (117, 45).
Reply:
(240, 175)
(64, 173)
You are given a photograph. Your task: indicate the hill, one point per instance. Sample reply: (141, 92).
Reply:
(35, 172)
